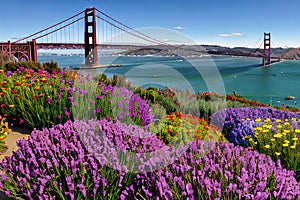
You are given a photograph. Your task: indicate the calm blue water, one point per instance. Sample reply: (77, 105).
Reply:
(222, 74)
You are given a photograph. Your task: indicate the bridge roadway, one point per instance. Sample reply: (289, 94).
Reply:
(82, 46)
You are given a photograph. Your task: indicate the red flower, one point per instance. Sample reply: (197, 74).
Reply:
(17, 83)
(14, 91)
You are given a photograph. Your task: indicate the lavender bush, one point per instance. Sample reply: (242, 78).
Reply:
(52, 163)
(101, 101)
(234, 123)
(79, 160)
(220, 171)
(57, 163)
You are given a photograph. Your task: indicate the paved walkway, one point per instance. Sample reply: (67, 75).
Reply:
(16, 134)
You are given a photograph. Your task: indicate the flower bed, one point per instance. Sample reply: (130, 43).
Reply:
(235, 127)
(40, 99)
(57, 163)
(279, 140)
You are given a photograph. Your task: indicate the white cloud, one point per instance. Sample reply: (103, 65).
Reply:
(230, 34)
(178, 27)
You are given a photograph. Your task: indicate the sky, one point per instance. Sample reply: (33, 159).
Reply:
(232, 23)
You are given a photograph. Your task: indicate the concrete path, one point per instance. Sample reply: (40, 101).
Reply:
(16, 134)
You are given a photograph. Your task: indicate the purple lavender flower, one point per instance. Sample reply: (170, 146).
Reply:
(9, 73)
(48, 100)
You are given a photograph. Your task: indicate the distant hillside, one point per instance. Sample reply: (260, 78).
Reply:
(198, 50)
(292, 54)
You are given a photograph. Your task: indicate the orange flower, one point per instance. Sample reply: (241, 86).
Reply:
(11, 106)
(1, 71)
(2, 105)
(5, 115)
(73, 75)
(18, 96)
(52, 83)
(37, 87)
(28, 76)
(2, 138)
(17, 83)
(41, 95)
(3, 82)
(2, 94)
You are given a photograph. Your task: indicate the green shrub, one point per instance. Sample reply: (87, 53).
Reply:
(13, 66)
(51, 67)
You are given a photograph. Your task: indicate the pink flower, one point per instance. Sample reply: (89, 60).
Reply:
(21, 121)
(97, 110)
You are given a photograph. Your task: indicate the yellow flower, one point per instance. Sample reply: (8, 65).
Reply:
(295, 139)
(297, 130)
(267, 146)
(285, 144)
(286, 141)
(267, 120)
(258, 120)
(266, 130)
(248, 119)
(294, 119)
(286, 123)
(293, 147)
(278, 120)
(277, 153)
(278, 135)
(279, 126)
(286, 131)
(11, 106)
(269, 126)
(243, 119)
(259, 128)
(272, 139)
(286, 120)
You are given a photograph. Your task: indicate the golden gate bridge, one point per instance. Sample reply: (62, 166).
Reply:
(89, 30)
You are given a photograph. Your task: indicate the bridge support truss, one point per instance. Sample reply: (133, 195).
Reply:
(90, 39)
(20, 51)
(267, 49)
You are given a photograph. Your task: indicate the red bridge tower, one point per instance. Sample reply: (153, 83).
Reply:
(267, 49)
(90, 39)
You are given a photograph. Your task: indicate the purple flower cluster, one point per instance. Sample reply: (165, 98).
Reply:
(235, 127)
(217, 171)
(88, 160)
(125, 147)
(52, 162)
(129, 104)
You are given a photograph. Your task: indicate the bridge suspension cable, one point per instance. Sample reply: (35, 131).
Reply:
(137, 33)
(55, 25)
(67, 25)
